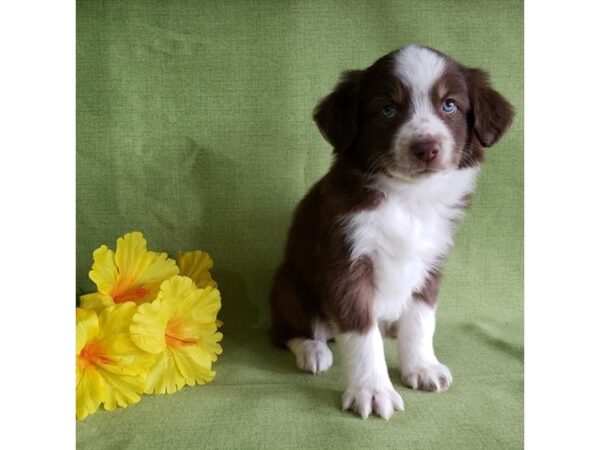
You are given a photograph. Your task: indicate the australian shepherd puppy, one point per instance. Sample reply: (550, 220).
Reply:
(365, 250)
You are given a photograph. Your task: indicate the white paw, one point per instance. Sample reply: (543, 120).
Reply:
(428, 377)
(313, 356)
(382, 401)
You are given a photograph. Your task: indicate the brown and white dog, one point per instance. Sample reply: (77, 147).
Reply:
(367, 242)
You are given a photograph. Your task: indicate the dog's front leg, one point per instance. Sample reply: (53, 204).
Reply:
(418, 364)
(368, 385)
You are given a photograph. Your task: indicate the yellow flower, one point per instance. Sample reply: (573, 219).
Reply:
(179, 327)
(131, 274)
(110, 368)
(196, 265)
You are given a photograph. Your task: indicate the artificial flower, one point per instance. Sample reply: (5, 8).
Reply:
(131, 274)
(110, 368)
(180, 328)
(196, 265)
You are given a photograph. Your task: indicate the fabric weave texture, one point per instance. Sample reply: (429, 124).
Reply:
(194, 126)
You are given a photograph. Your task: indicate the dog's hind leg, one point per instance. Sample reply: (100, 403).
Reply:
(294, 322)
(313, 355)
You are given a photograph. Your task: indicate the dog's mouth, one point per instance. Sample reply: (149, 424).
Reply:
(400, 164)
(412, 173)
(426, 171)
(406, 169)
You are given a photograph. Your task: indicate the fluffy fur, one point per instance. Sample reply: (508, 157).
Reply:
(367, 243)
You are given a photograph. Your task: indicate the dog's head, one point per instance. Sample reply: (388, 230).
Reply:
(415, 111)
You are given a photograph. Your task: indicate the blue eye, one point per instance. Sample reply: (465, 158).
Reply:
(388, 111)
(449, 106)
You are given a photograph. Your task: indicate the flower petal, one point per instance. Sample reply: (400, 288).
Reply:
(148, 326)
(115, 320)
(86, 327)
(96, 301)
(196, 265)
(89, 386)
(140, 272)
(201, 304)
(89, 392)
(176, 290)
(121, 390)
(209, 341)
(164, 377)
(206, 305)
(194, 364)
(130, 249)
(104, 270)
(121, 355)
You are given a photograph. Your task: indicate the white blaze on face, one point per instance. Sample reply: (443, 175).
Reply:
(420, 69)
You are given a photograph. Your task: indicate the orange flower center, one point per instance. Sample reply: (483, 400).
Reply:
(180, 334)
(91, 354)
(131, 295)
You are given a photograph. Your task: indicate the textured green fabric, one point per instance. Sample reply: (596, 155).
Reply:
(194, 127)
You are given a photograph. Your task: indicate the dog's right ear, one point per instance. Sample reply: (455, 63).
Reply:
(336, 114)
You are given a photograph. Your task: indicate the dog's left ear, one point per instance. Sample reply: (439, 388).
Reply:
(491, 113)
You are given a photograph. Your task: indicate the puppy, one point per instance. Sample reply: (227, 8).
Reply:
(366, 246)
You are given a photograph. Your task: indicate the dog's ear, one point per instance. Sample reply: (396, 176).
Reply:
(491, 113)
(336, 114)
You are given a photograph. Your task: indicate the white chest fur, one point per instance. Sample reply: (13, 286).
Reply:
(408, 234)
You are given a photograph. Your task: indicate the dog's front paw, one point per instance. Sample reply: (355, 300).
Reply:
(428, 377)
(381, 400)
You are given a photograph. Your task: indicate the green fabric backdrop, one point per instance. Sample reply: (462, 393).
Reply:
(194, 126)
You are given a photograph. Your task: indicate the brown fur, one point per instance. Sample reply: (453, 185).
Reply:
(429, 292)
(316, 279)
(489, 116)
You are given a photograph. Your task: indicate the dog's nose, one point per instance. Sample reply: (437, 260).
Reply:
(426, 150)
